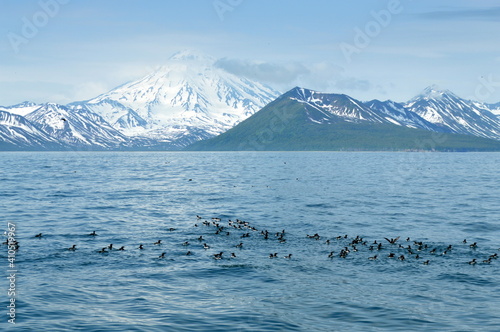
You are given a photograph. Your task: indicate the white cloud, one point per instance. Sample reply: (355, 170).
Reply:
(321, 76)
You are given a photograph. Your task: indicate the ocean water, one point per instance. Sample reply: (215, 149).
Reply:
(133, 198)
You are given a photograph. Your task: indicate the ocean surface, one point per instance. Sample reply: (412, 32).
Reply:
(350, 200)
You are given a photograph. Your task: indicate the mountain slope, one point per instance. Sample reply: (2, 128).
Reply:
(398, 114)
(76, 126)
(446, 110)
(17, 133)
(186, 100)
(494, 108)
(334, 106)
(291, 124)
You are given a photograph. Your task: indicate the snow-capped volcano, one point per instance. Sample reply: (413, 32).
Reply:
(187, 99)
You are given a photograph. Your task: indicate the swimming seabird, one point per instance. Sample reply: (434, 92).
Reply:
(472, 262)
(72, 248)
(38, 235)
(392, 241)
(157, 242)
(162, 255)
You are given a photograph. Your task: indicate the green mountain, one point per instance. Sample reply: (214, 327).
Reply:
(304, 120)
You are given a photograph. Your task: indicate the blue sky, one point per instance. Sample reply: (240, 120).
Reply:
(391, 49)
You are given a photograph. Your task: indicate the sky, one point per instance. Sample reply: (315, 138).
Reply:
(71, 50)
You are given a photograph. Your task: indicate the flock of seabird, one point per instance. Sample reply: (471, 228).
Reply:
(392, 248)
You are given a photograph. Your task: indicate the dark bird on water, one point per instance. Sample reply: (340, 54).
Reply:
(392, 241)
(38, 235)
(72, 248)
(93, 233)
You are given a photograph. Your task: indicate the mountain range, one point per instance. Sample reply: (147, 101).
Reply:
(192, 103)
(303, 119)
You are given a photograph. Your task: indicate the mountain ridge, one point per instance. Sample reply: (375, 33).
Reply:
(191, 99)
(297, 120)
